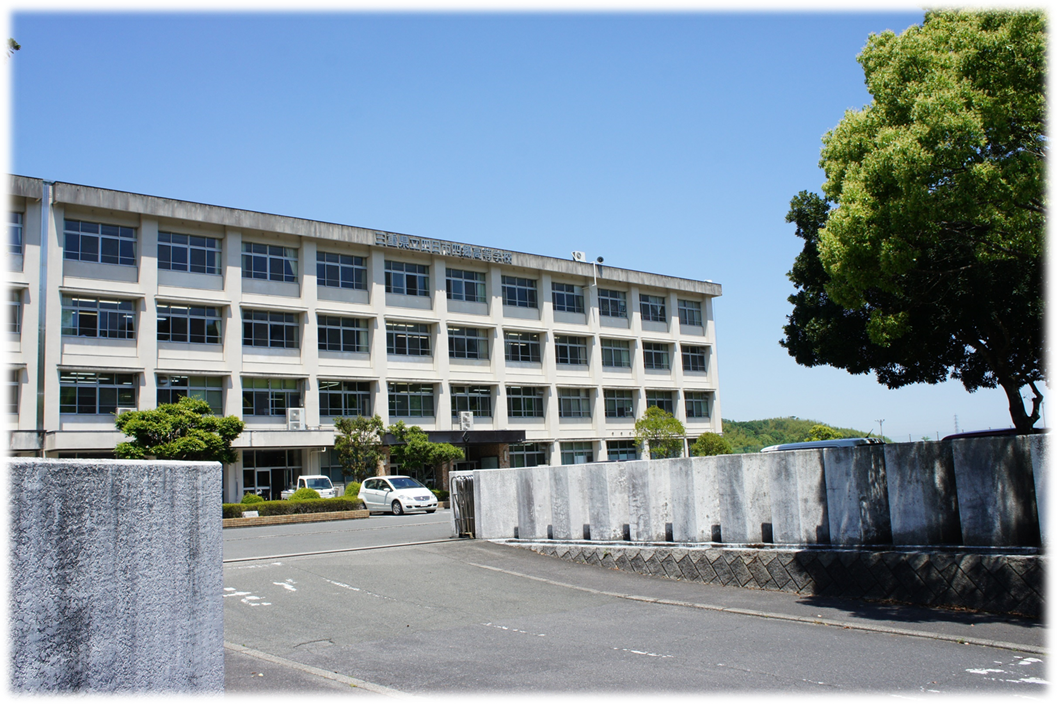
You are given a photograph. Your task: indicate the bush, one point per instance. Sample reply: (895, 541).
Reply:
(440, 494)
(232, 510)
(292, 506)
(304, 494)
(352, 489)
(710, 444)
(251, 499)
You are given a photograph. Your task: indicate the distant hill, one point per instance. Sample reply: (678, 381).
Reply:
(752, 435)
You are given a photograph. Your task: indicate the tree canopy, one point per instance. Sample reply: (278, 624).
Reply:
(709, 444)
(185, 430)
(928, 265)
(416, 450)
(660, 432)
(358, 442)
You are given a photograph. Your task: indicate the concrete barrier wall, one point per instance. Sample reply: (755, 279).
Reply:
(977, 492)
(116, 576)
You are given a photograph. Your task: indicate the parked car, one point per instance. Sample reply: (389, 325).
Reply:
(823, 444)
(397, 494)
(318, 482)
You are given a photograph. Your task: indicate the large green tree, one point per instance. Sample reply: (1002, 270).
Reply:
(358, 442)
(185, 430)
(929, 264)
(660, 433)
(414, 448)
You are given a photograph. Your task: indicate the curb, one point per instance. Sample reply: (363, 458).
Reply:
(294, 518)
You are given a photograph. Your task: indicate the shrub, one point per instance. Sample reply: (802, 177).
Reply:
(232, 510)
(304, 494)
(710, 444)
(352, 489)
(251, 499)
(440, 494)
(292, 506)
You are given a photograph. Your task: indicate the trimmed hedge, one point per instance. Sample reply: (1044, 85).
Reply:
(304, 494)
(233, 510)
(289, 506)
(441, 494)
(252, 499)
(352, 489)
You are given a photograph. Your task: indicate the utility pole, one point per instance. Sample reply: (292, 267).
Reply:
(881, 423)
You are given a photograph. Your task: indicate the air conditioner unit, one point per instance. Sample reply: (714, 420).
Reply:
(465, 420)
(295, 419)
(579, 257)
(122, 409)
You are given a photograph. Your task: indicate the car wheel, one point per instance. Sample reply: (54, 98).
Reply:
(398, 508)
(430, 510)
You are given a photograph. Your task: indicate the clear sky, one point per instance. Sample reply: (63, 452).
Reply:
(669, 143)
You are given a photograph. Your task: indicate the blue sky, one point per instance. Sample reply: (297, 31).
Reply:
(669, 143)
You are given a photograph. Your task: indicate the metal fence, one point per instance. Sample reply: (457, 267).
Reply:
(462, 505)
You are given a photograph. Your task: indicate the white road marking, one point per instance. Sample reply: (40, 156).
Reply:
(643, 652)
(287, 585)
(514, 630)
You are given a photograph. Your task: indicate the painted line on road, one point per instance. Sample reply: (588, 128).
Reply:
(331, 552)
(344, 679)
(1036, 649)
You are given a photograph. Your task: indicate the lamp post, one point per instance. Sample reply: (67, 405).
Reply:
(881, 423)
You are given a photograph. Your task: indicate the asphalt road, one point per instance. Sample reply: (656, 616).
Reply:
(477, 617)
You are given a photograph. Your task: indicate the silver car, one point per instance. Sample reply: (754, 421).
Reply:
(397, 494)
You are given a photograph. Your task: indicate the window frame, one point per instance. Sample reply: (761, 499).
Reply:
(697, 400)
(16, 234)
(608, 299)
(269, 262)
(570, 350)
(203, 324)
(353, 398)
(568, 298)
(656, 355)
(279, 326)
(339, 333)
(408, 339)
(14, 390)
(403, 390)
(653, 308)
(117, 321)
(691, 354)
(335, 270)
(520, 403)
(690, 311)
(513, 340)
(522, 452)
(406, 278)
(87, 388)
(570, 406)
(468, 343)
(476, 398)
(118, 238)
(571, 451)
(667, 403)
(207, 388)
(14, 309)
(465, 285)
(626, 450)
(519, 292)
(611, 346)
(619, 403)
(209, 247)
(267, 392)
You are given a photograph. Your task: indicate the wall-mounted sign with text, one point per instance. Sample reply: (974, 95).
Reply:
(447, 249)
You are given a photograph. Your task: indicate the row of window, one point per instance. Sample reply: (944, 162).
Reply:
(115, 319)
(113, 244)
(97, 393)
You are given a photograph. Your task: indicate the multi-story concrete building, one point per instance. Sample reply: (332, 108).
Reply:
(119, 300)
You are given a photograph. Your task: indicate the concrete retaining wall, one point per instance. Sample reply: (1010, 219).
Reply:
(116, 576)
(977, 492)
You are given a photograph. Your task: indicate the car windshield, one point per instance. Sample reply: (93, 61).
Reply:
(319, 483)
(405, 483)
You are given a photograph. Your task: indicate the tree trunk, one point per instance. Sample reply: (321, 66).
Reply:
(1022, 421)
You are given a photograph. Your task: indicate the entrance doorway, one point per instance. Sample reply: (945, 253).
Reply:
(268, 472)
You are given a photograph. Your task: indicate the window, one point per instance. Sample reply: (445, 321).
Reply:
(89, 393)
(467, 343)
(613, 304)
(103, 244)
(344, 398)
(577, 452)
(660, 399)
(14, 312)
(269, 262)
(619, 403)
(689, 312)
(622, 450)
(528, 454)
(570, 350)
(574, 403)
(189, 324)
(465, 285)
(330, 466)
(93, 317)
(210, 389)
(696, 404)
(270, 397)
(477, 399)
(567, 297)
(405, 278)
(14, 385)
(524, 402)
(410, 400)
(267, 328)
(14, 233)
(695, 359)
(522, 346)
(519, 292)
(616, 353)
(341, 334)
(652, 308)
(655, 356)
(198, 255)
(407, 338)
(340, 271)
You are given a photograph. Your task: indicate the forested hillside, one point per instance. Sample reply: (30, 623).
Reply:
(751, 435)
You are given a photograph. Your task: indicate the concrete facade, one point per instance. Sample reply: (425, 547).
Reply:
(978, 492)
(116, 578)
(50, 355)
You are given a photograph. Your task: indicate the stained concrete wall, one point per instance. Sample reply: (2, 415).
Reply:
(979, 492)
(116, 576)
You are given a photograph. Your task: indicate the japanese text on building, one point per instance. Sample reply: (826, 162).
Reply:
(447, 249)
